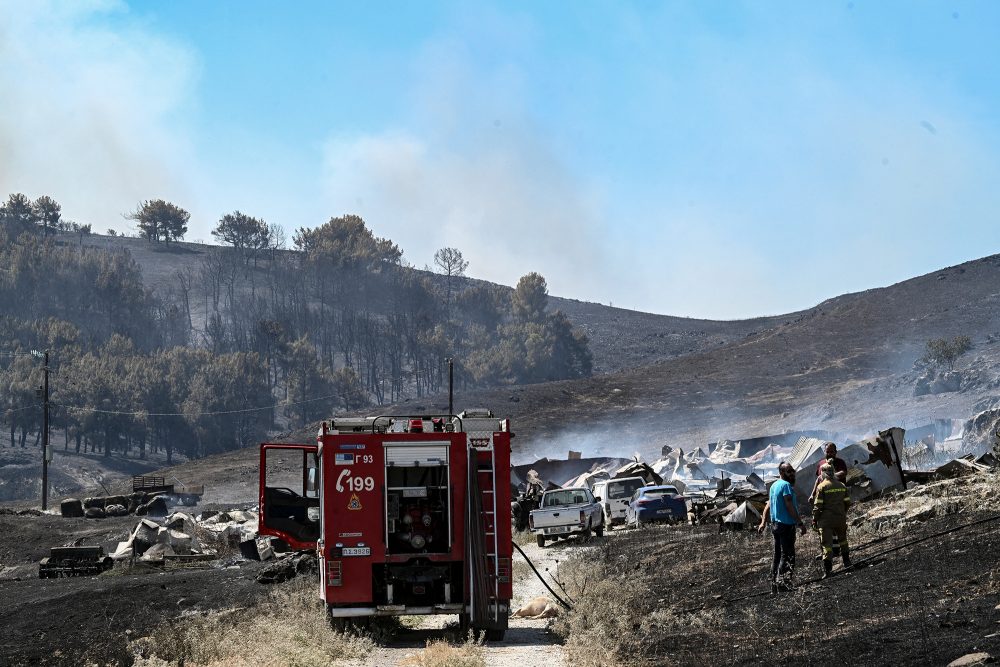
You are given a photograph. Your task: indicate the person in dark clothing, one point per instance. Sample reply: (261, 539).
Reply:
(782, 511)
(839, 466)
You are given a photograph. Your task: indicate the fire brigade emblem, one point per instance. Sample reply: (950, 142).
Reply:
(355, 503)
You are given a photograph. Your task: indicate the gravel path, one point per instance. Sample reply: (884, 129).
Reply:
(527, 643)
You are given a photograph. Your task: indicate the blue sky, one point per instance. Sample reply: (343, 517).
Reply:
(713, 159)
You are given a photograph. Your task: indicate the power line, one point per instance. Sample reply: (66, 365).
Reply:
(141, 413)
(27, 407)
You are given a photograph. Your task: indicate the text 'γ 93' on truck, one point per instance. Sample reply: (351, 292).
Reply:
(402, 512)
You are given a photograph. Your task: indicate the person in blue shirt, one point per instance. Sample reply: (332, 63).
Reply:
(782, 511)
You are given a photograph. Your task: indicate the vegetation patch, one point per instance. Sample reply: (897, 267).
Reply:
(471, 653)
(289, 628)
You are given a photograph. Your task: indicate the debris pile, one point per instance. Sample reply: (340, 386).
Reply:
(177, 535)
(153, 542)
(982, 433)
(728, 484)
(978, 488)
(288, 566)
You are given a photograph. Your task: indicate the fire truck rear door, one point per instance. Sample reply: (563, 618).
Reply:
(289, 494)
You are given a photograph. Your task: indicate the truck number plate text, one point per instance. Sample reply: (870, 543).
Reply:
(357, 551)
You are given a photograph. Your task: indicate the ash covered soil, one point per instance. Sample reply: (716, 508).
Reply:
(90, 620)
(658, 596)
(695, 596)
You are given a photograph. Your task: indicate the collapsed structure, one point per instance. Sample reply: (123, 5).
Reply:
(728, 483)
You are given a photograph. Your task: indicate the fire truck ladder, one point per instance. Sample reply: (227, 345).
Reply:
(484, 575)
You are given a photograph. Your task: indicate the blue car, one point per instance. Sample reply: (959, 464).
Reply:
(652, 504)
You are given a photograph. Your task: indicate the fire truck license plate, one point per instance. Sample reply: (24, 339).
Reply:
(357, 551)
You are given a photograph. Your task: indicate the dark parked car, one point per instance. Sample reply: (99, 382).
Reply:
(656, 503)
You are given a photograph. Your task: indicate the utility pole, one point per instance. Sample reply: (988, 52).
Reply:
(45, 426)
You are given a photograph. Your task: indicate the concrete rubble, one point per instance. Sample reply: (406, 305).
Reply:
(181, 534)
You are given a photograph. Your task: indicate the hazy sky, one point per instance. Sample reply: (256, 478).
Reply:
(718, 159)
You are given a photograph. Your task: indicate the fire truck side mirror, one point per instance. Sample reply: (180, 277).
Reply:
(311, 482)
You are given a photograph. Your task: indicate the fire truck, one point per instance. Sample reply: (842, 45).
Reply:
(402, 512)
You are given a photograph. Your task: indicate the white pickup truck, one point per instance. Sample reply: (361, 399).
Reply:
(565, 512)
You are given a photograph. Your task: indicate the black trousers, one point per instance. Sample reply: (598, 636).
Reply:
(784, 549)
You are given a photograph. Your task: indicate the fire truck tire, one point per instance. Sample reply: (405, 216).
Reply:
(540, 539)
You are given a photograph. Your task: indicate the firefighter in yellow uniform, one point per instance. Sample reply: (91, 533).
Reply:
(830, 515)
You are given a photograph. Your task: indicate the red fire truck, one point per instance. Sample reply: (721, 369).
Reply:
(403, 514)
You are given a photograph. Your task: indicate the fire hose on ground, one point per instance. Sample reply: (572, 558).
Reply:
(562, 602)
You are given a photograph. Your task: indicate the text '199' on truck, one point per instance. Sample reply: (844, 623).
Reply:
(402, 513)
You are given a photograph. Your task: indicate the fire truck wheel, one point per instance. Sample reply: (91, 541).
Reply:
(540, 539)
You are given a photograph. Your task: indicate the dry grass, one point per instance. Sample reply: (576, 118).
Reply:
(289, 629)
(521, 570)
(523, 537)
(610, 614)
(471, 653)
(695, 596)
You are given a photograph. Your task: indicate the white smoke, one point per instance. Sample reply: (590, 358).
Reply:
(92, 110)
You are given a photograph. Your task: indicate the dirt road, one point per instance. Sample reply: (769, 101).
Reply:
(528, 643)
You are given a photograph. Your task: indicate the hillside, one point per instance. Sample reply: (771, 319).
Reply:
(619, 338)
(846, 365)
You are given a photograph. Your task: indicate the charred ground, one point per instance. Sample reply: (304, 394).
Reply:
(695, 596)
(91, 620)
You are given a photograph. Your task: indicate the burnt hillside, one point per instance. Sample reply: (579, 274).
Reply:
(845, 365)
(619, 338)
